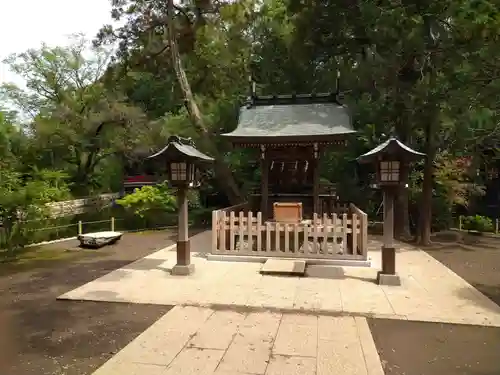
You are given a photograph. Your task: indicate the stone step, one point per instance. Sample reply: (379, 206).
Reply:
(286, 267)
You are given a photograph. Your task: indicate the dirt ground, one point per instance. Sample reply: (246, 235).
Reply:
(475, 259)
(416, 348)
(41, 335)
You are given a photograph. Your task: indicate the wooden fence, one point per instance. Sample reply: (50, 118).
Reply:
(327, 236)
(362, 235)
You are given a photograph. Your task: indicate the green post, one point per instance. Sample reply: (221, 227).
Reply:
(112, 224)
(79, 227)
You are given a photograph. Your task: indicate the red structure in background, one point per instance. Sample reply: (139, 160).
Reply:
(138, 180)
(137, 172)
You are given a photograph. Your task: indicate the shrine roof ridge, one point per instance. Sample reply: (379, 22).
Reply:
(290, 99)
(292, 118)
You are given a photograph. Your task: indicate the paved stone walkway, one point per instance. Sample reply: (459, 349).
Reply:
(430, 291)
(201, 341)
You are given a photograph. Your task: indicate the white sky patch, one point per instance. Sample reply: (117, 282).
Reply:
(29, 23)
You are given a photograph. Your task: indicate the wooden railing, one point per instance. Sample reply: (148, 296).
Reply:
(328, 236)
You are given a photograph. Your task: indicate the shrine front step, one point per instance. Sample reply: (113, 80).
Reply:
(284, 267)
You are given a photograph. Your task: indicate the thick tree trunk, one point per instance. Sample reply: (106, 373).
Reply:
(222, 171)
(425, 219)
(403, 129)
(401, 209)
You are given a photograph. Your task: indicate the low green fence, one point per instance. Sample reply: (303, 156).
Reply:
(109, 219)
(482, 224)
(45, 232)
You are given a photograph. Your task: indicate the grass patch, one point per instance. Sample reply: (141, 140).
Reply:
(36, 257)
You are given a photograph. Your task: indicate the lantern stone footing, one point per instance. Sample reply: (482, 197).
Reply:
(388, 260)
(388, 279)
(182, 270)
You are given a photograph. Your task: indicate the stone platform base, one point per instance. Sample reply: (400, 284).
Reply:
(309, 261)
(391, 280)
(178, 270)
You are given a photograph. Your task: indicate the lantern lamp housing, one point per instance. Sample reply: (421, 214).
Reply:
(181, 172)
(388, 158)
(181, 160)
(388, 172)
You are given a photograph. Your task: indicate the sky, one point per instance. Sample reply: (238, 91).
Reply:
(27, 24)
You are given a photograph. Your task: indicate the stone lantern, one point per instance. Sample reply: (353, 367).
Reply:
(388, 158)
(181, 160)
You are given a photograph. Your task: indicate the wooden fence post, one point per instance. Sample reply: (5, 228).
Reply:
(79, 227)
(112, 224)
(215, 229)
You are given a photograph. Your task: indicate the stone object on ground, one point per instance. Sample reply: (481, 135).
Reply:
(288, 267)
(96, 240)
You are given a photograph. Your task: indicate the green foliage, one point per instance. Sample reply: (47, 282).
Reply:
(77, 122)
(477, 223)
(159, 204)
(149, 199)
(23, 205)
(426, 72)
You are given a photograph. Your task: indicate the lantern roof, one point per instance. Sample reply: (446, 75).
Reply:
(391, 147)
(181, 149)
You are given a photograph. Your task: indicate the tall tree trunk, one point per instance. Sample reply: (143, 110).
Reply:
(401, 209)
(425, 219)
(222, 171)
(401, 213)
(404, 85)
(431, 131)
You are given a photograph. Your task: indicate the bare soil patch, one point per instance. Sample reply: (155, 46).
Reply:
(41, 335)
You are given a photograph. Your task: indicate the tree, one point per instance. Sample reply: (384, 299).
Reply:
(22, 197)
(77, 121)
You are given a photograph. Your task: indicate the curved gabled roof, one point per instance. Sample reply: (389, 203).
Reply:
(292, 117)
(179, 147)
(391, 146)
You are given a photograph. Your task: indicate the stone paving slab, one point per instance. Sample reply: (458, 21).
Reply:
(429, 291)
(289, 267)
(202, 341)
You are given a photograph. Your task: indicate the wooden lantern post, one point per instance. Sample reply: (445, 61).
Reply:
(388, 159)
(182, 161)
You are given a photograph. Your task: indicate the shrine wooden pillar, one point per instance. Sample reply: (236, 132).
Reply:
(264, 184)
(316, 178)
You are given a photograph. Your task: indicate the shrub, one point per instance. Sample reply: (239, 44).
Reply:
(477, 223)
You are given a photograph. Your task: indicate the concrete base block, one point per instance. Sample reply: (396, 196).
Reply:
(325, 271)
(179, 270)
(385, 279)
(309, 261)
